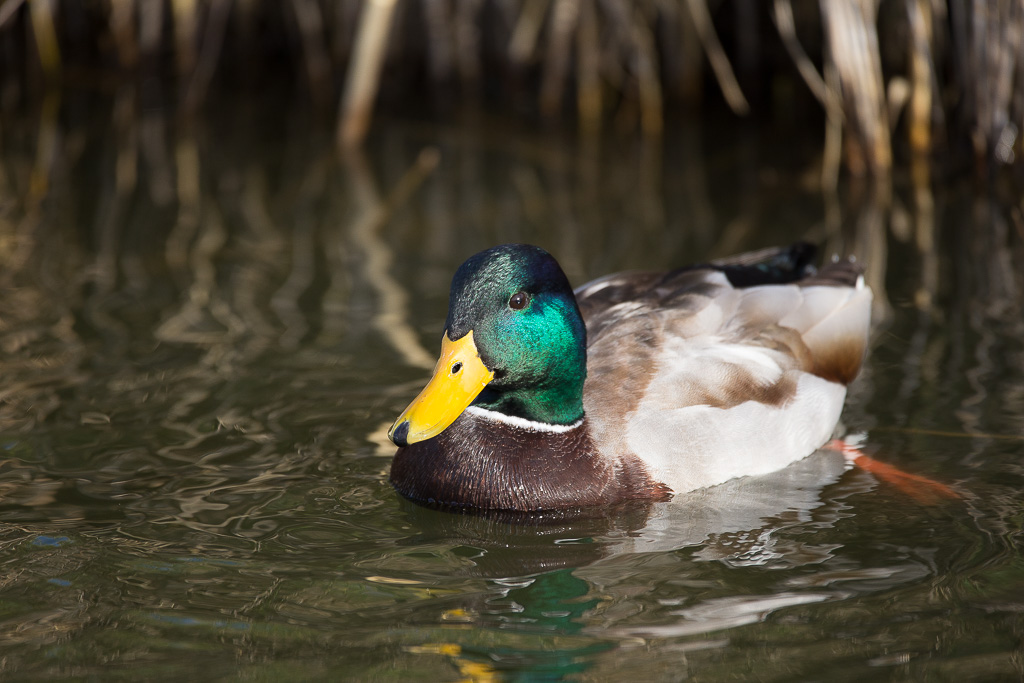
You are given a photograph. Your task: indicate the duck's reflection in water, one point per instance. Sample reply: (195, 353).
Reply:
(735, 522)
(565, 575)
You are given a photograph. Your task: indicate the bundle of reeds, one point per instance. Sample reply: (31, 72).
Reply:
(895, 78)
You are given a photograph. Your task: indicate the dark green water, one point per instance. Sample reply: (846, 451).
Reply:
(206, 329)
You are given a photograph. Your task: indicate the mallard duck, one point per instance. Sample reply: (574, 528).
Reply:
(636, 386)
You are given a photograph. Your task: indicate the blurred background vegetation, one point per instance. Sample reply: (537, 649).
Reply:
(892, 82)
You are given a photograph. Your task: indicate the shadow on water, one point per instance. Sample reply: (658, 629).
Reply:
(206, 328)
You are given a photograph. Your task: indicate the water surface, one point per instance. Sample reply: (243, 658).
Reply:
(207, 327)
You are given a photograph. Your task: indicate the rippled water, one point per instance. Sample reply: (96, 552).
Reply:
(206, 329)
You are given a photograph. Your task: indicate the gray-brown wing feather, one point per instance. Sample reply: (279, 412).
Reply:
(638, 309)
(817, 326)
(705, 381)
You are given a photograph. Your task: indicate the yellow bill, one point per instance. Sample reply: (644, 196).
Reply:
(459, 377)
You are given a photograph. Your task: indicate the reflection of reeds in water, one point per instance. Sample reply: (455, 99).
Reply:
(196, 338)
(241, 252)
(237, 255)
(951, 72)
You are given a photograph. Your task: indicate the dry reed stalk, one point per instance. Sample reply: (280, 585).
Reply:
(122, 28)
(698, 10)
(523, 44)
(588, 58)
(562, 26)
(925, 240)
(209, 55)
(634, 49)
(467, 41)
(1001, 46)
(648, 82)
(921, 76)
(126, 175)
(749, 47)
(152, 142)
(8, 9)
(832, 155)
(782, 13)
(1018, 94)
(825, 90)
(185, 19)
(244, 25)
(868, 210)
(976, 37)
(318, 64)
(691, 75)
(978, 66)
(364, 71)
(44, 30)
(47, 148)
(151, 24)
(616, 22)
(440, 43)
(852, 42)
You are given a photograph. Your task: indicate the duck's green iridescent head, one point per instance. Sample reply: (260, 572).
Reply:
(514, 343)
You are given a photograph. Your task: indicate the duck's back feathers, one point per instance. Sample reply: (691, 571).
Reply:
(704, 379)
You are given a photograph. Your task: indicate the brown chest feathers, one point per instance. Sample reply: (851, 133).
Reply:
(489, 465)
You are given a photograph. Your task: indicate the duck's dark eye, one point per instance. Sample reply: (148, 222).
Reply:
(456, 367)
(518, 301)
